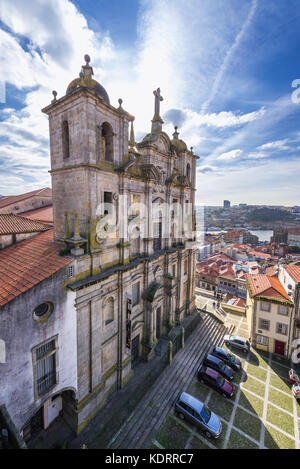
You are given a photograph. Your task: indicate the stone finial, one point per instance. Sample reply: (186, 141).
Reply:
(120, 101)
(76, 231)
(175, 134)
(157, 120)
(192, 148)
(54, 96)
(131, 138)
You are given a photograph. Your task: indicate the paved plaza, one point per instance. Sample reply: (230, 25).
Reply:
(263, 414)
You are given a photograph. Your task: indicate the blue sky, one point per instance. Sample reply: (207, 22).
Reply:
(225, 69)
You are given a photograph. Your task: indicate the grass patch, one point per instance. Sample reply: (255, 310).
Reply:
(279, 418)
(259, 359)
(280, 384)
(275, 439)
(220, 406)
(219, 442)
(248, 423)
(280, 399)
(255, 386)
(298, 407)
(251, 403)
(198, 390)
(196, 443)
(281, 360)
(279, 370)
(172, 435)
(257, 372)
(238, 441)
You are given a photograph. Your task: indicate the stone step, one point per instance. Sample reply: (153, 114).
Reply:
(138, 413)
(172, 400)
(168, 388)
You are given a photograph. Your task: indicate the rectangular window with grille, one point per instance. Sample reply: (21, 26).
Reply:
(281, 328)
(264, 324)
(260, 339)
(283, 310)
(265, 306)
(45, 358)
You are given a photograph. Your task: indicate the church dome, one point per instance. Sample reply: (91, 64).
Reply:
(179, 144)
(85, 80)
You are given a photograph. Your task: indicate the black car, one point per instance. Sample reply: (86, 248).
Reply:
(216, 364)
(226, 357)
(215, 381)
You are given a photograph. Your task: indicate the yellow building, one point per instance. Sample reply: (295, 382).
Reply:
(269, 314)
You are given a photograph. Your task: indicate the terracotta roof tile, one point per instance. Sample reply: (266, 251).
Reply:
(265, 285)
(293, 271)
(28, 263)
(14, 224)
(42, 214)
(12, 199)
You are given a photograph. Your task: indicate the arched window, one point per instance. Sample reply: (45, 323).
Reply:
(135, 242)
(107, 142)
(188, 171)
(109, 311)
(65, 139)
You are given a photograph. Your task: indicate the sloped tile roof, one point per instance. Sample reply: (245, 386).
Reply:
(293, 271)
(272, 270)
(42, 214)
(12, 199)
(24, 265)
(14, 224)
(265, 285)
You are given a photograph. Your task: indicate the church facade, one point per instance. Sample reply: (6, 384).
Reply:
(121, 209)
(79, 309)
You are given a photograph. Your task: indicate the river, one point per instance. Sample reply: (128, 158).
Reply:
(263, 235)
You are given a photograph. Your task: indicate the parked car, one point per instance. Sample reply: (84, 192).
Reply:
(218, 365)
(238, 342)
(214, 380)
(194, 411)
(226, 357)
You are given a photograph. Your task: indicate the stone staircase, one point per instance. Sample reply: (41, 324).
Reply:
(140, 426)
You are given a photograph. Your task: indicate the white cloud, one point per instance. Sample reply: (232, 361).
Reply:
(206, 169)
(230, 155)
(276, 145)
(261, 183)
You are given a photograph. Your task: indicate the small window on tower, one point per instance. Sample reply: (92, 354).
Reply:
(188, 171)
(65, 139)
(107, 142)
(108, 209)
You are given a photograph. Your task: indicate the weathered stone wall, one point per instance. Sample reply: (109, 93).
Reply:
(22, 333)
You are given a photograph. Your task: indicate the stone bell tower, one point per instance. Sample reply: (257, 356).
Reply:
(88, 140)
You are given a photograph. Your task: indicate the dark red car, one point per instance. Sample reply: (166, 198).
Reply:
(214, 380)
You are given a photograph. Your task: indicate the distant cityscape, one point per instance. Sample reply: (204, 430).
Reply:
(267, 222)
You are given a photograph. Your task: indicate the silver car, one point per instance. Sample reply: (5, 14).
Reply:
(237, 342)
